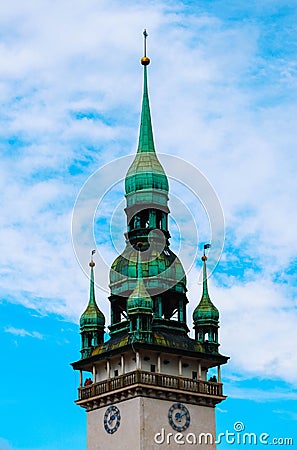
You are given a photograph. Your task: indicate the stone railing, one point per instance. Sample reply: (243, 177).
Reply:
(150, 379)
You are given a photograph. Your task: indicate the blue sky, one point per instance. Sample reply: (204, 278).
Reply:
(223, 95)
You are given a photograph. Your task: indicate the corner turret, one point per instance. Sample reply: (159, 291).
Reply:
(92, 320)
(206, 316)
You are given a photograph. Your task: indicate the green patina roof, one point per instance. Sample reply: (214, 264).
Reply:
(139, 299)
(92, 316)
(160, 338)
(158, 270)
(145, 172)
(206, 310)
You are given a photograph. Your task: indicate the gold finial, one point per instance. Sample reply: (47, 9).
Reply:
(91, 263)
(145, 60)
(204, 257)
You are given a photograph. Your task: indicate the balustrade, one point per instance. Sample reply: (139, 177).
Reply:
(151, 379)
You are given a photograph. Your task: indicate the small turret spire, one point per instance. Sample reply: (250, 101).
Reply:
(204, 259)
(206, 316)
(140, 306)
(140, 290)
(92, 320)
(92, 300)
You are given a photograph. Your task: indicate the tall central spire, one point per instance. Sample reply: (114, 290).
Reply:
(163, 282)
(146, 139)
(146, 172)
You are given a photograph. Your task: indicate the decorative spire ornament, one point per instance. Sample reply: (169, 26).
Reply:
(206, 315)
(92, 321)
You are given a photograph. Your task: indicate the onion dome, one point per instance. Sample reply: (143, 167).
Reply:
(161, 271)
(146, 172)
(92, 317)
(205, 312)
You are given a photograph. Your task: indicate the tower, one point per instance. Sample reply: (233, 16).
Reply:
(150, 384)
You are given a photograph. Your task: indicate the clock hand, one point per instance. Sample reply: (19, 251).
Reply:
(111, 419)
(179, 415)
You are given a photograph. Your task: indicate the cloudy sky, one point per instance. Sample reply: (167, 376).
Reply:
(222, 83)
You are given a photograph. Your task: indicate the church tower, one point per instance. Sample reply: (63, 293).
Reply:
(148, 385)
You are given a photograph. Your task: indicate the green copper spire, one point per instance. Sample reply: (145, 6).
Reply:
(92, 315)
(146, 140)
(206, 317)
(146, 172)
(92, 320)
(205, 286)
(206, 310)
(146, 189)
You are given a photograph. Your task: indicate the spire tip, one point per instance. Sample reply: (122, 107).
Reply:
(204, 257)
(145, 60)
(91, 263)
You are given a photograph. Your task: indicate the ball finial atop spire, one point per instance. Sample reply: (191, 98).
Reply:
(145, 60)
(91, 263)
(204, 257)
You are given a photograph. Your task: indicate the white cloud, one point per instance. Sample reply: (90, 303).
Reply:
(221, 410)
(284, 414)
(257, 320)
(219, 99)
(23, 333)
(260, 395)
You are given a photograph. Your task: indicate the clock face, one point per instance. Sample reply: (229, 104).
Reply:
(112, 419)
(179, 417)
